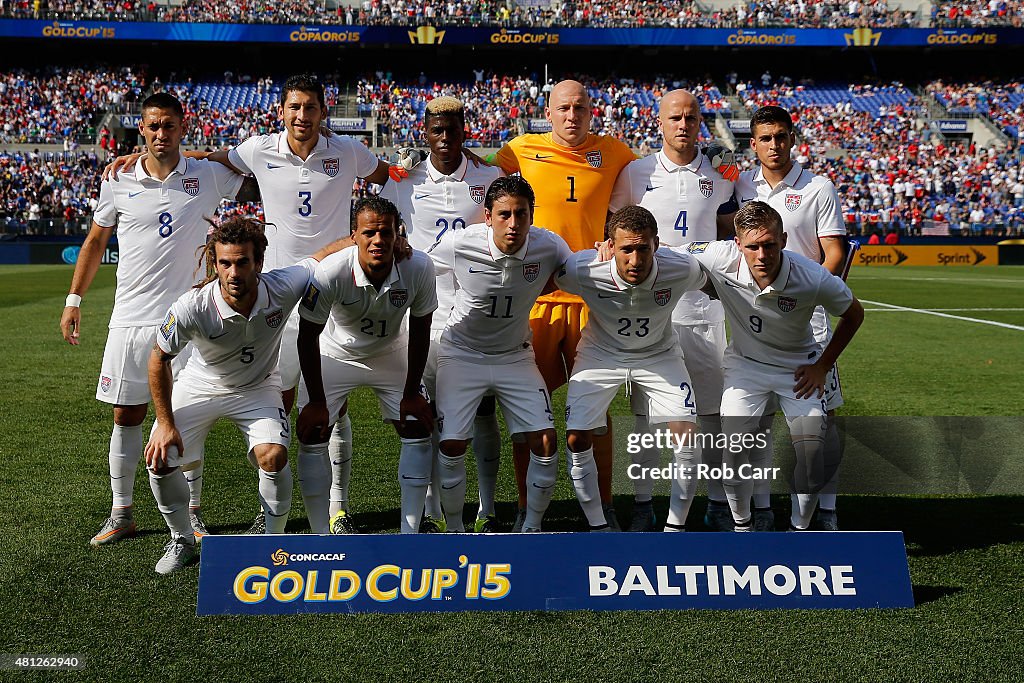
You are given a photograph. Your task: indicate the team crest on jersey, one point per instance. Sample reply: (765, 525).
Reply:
(531, 271)
(398, 297)
(170, 322)
(707, 187)
(105, 384)
(311, 296)
(331, 167)
(697, 247)
(477, 192)
(786, 304)
(191, 186)
(594, 158)
(274, 319)
(662, 296)
(793, 202)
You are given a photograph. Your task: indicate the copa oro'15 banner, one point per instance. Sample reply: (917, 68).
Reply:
(927, 255)
(304, 573)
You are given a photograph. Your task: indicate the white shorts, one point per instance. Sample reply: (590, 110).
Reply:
(124, 374)
(288, 358)
(822, 334)
(258, 412)
(754, 389)
(661, 390)
(518, 387)
(703, 350)
(384, 374)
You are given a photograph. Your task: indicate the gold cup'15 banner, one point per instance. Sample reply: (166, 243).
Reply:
(921, 255)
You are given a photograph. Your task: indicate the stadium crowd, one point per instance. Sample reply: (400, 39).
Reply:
(977, 13)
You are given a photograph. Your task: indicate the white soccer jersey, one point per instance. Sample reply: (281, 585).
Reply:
(772, 326)
(685, 200)
(808, 203)
(432, 203)
(496, 291)
(628, 323)
(160, 225)
(233, 352)
(363, 322)
(309, 202)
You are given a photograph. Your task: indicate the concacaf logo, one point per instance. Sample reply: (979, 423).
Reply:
(279, 557)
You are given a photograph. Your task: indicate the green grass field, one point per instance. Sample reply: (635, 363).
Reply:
(58, 596)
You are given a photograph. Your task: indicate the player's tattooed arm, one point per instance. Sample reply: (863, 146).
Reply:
(165, 435)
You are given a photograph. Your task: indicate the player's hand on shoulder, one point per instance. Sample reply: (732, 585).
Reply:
(403, 250)
(476, 159)
(111, 170)
(71, 324)
(605, 250)
(810, 381)
(723, 160)
(312, 424)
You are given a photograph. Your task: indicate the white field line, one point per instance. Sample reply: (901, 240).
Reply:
(959, 310)
(944, 315)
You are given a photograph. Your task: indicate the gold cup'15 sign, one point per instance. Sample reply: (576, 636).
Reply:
(426, 35)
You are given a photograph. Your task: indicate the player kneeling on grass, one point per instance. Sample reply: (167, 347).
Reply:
(234, 321)
(362, 296)
(501, 267)
(630, 340)
(773, 359)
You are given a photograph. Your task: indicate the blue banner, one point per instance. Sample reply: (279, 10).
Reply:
(298, 574)
(513, 37)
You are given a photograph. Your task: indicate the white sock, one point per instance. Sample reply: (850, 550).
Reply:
(453, 489)
(194, 479)
(683, 487)
(413, 477)
(808, 477)
(125, 453)
(760, 458)
(315, 484)
(276, 498)
(712, 456)
(171, 493)
(646, 458)
(487, 449)
(833, 458)
(583, 473)
(340, 452)
(540, 486)
(432, 504)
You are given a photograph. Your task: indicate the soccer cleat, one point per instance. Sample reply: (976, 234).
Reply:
(604, 528)
(764, 520)
(198, 525)
(259, 525)
(431, 525)
(530, 530)
(517, 527)
(718, 517)
(743, 527)
(644, 518)
(485, 525)
(825, 520)
(610, 518)
(341, 524)
(113, 530)
(178, 553)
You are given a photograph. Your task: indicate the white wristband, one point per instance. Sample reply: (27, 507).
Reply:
(73, 300)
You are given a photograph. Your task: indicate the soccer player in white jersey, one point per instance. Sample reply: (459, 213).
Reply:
(773, 358)
(159, 210)
(629, 340)
(686, 195)
(500, 268)
(362, 297)
(812, 215)
(447, 193)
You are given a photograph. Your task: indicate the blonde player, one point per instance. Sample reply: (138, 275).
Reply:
(234, 321)
(629, 340)
(686, 194)
(362, 297)
(444, 193)
(159, 209)
(500, 268)
(773, 358)
(812, 216)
